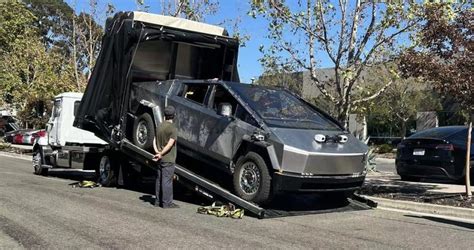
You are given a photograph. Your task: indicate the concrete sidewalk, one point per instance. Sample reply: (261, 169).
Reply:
(392, 181)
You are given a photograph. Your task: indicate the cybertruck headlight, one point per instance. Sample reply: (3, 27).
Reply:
(320, 138)
(343, 138)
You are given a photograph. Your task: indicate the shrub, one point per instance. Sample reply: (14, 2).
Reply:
(384, 148)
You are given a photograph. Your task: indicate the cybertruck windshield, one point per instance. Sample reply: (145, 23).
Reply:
(280, 108)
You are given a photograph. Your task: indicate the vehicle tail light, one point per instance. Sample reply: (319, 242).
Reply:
(400, 146)
(41, 133)
(448, 147)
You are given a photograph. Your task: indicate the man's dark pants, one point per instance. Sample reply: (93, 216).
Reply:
(164, 184)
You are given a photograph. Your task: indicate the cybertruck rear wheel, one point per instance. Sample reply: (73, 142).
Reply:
(144, 131)
(252, 180)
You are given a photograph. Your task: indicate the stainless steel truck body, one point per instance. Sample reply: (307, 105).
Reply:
(268, 140)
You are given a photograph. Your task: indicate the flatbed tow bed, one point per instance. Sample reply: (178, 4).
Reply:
(212, 190)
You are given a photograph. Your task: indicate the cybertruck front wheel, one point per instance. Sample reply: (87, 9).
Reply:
(252, 180)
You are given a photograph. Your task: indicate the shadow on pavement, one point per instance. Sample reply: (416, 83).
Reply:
(378, 186)
(282, 205)
(73, 174)
(445, 221)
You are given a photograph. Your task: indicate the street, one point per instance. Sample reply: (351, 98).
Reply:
(46, 212)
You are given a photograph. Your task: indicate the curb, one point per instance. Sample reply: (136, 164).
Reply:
(463, 213)
(17, 156)
(384, 160)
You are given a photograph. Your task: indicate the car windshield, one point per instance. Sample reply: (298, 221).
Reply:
(280, 108)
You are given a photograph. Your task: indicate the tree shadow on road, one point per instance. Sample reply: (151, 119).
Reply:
(380, 186)
(72, 174)
(445, 221)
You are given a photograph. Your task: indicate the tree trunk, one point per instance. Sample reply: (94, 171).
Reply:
(403, 129)
(468, 162)
(343, 114)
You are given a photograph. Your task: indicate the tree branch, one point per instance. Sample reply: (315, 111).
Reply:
(375, 95)
(352, 36)
(367, 34)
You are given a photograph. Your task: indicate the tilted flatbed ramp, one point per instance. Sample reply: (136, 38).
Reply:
(210, 190)
(203, 185)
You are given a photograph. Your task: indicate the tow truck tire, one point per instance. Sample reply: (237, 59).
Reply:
(37, 162)
(106, 172)
(252, 180)
(143, 131)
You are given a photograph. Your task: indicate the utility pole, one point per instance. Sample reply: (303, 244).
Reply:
(468, 162)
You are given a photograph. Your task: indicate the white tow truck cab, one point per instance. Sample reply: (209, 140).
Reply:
(66, 146)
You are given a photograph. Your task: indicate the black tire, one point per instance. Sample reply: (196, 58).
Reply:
(107, 171)
(258, 190)
(144, 131)
(38, 162)
(409, 178)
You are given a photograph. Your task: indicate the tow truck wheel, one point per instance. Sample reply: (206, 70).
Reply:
(106, 172)
(37, 162)
(252, 180)
(143, 131)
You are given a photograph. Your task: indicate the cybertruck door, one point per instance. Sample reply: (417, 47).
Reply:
(222, 135)
(190, 104)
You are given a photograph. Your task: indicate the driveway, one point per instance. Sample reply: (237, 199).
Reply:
(46, 212)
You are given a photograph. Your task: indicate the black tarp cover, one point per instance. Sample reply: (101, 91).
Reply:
(102, 106)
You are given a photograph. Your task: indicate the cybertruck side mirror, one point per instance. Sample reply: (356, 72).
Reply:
(225, 109)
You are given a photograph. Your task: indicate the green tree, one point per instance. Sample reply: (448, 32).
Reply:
(53, 22)
(444, 54)
(401, 102)
(353, 35)
(29, 73)
(13, 26)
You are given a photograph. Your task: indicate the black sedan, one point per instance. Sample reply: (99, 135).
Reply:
(434, 153)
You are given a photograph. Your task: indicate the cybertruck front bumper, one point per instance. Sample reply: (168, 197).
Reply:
(292, 182)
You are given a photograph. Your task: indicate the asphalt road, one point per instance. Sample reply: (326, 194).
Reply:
(45, 212)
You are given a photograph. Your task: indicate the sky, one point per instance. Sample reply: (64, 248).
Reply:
(249, 66)
(231, 10)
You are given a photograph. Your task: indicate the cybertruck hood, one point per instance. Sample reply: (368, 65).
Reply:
(303, 154)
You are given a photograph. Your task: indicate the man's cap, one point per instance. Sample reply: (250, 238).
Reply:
(169, 111)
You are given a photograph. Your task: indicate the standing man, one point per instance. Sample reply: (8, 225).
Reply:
(165, 148)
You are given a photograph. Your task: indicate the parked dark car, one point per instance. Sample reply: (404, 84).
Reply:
(434, 153)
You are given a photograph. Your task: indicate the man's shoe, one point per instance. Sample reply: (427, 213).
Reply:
(172, 205)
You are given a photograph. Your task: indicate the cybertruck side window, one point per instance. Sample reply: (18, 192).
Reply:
(243, 115)
(194, 92)
(221, 95)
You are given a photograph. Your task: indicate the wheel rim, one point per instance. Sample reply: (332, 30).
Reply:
(142, 132)
(104, 168)
(37, 161)
(250, 178)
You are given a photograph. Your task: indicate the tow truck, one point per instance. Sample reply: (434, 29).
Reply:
(141, 47)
